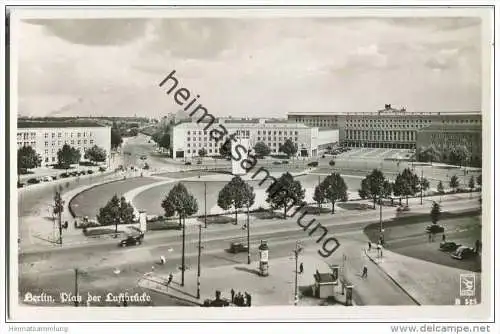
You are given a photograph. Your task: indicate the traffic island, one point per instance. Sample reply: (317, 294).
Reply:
(276, 289)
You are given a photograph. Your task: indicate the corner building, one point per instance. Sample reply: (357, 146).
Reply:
(189, 137)
(46, 138)
(386, 128)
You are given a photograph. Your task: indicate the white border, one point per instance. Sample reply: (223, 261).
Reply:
(378, 313)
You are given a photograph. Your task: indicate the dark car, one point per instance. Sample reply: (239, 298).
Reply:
(187, 163)
(434, 228)
(143, 157)
(463, 253)
(132, 240)
(237, 247)
(276, 163)
(448, 246)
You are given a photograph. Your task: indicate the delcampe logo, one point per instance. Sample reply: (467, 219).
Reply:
(467, 285)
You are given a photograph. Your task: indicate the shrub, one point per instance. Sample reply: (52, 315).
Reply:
(64, 175)
(90, 171)
(332, 163)
(86, 163)
(102, 169)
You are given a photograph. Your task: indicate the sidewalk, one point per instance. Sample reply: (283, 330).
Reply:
(426, 282)
(275, 289)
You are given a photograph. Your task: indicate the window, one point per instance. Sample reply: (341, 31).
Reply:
(47, 159)
(188, 139)
(46, 143)
(189, 132)
(188, 145)
(53, 135)
(53, 159)
(46, 135)
(189, 151)
(72, 142)
(85, 142)
(91, 141)
(59, 135)
(46, 151)
(79, 135)
(79, 142)
(53, 143)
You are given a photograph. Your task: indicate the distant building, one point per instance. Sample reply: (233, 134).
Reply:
(446, 136)
(388, 127)
(188, 138)
(46, 138)
(175, 118)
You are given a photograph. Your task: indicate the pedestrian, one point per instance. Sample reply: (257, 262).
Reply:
(232, 296)
(248, 299)
(444, 238)
(170, 278)
(365, 272)
(301, 268)
(430, 236)
(162, 259)
(369, 246)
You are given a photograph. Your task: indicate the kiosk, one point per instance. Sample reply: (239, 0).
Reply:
(264, 258)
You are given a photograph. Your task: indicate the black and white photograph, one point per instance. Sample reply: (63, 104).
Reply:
(319, 162)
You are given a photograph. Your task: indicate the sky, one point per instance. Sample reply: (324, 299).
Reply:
(258, 67)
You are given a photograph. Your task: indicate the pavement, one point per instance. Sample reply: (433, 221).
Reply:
(426, 282)
(277, 289)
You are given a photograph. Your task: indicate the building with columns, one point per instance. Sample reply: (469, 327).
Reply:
(388, 127)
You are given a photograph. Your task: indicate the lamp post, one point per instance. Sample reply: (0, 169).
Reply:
(199, 263)
(421, 187)
(183, 265)
(298, 249)
(248, 233)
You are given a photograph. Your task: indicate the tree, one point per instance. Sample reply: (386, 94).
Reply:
(387, 189)
(95, 154)
(236, 194)
(406, 183)
(432, 154)
(116, 211)
(202, 152)
(165, 140)
(333, 188)
(479, 180)
(424, 183)
(472, 184)
(332, 163)
(284, 193)
(68, 155)
(454, 182)
(261, 149)
(225, 149)
(459, 155)
(27, 158)
(116, 138)
(440, 188)
(179, 201)
(289, 148)
(319, 196)
(372, 186)
(435, 212)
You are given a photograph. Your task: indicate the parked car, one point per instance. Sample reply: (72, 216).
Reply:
(143, 157)
(448, 246)
(187, 163)
(276, 163)
(434, 228)
(33, 181)
(313, 164)
(237, 247)
(198, 162)
(403, 208)
(102, 169)
(463, 253)
(132, 240)
(285, 162)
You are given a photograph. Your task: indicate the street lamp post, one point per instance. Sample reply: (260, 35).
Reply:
(248, 232)
(76, 286)
(296, 251)
(183, 265)
(421, 187)
(199, 263)
(205, 183)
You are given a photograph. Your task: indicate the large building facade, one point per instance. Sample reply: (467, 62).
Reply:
(445, 137)
(46, 138)
(388, 127)
(189, 137)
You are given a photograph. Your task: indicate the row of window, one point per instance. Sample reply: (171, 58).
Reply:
(78, 142)
(68, 134)
(247, 132)
(210, 151)
(381, 135)
(387, 126)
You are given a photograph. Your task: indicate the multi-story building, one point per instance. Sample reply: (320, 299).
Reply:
(189, 137)
(444, 137)
(46, 138)
(388, 127)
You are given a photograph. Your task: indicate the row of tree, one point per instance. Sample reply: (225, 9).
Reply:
(28, 158)
(456, 155)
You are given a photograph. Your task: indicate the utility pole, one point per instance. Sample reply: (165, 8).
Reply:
(58, 208)
(205, 204)
(421, 187)
(248, 232)
(319, 203)
(183, 265)
(296, 251)
(199, 263)
(76, 286)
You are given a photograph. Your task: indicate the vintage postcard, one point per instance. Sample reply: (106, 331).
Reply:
(328, 164)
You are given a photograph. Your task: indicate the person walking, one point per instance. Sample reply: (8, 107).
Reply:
(301, 268)
(444, 237)
(170, 278)
(232, 296)
(249, 299)
(365, 272)
(430, 236)
(369, 246)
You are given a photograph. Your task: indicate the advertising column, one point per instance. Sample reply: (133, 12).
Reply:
(264, 258)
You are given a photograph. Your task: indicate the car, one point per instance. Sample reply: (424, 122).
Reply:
(276, 163)
(237, 247)
(448, 246)
(46, 179)
(132, 240)
(434, 228)
(143, 157)
(463, 253)
(403, 208)
(187, 163)
(198, 162)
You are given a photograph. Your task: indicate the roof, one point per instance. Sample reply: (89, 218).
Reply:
(324, 277)
(385, 113)
(69, 124)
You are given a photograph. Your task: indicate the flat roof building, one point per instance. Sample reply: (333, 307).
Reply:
(46, 138)
(387, 127)
(189, 137)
